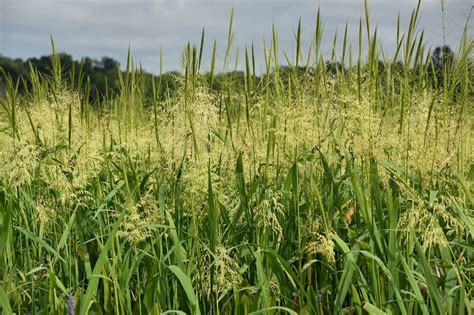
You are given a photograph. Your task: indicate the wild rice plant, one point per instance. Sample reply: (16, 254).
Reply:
(312, 189)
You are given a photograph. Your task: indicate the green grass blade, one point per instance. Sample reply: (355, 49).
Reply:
(414, 286)
(373, 310)
(432, 285)
(186, 283)
(4, 303)
(92, 287)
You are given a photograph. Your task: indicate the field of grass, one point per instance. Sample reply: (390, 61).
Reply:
(303, 192)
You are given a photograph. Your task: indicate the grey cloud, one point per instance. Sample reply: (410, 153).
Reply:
(104, 27)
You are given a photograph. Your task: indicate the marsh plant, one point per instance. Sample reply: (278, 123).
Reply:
(302, 191)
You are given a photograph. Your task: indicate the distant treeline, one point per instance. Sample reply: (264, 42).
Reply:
(102, 75)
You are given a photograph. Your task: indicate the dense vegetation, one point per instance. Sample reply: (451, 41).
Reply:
(99, 79)
(300, 191)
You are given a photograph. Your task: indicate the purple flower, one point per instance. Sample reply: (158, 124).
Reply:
(319, 297)
(70, 305)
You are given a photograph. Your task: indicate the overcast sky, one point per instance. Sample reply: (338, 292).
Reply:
(108, 27)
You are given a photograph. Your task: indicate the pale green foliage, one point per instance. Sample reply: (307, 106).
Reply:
(305, 191)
